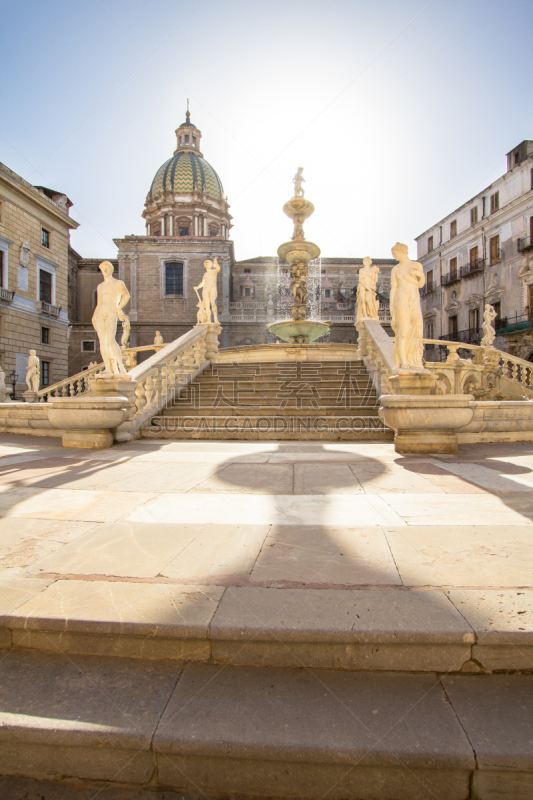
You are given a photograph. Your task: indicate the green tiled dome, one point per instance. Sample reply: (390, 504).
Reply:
(184, 171)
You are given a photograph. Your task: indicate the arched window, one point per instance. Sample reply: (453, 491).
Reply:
(173, 277)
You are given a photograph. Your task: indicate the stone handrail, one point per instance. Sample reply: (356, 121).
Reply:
(160, 377)
(79, 383)
(376, 350)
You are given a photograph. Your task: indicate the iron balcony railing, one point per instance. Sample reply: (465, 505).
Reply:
(472, 268)
(429, 288)
(468, 336)
(452, 277)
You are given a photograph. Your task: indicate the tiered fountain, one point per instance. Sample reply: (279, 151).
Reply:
(298, 253)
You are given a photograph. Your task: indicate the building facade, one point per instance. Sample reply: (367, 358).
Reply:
(483, 253)
(34, 272)
(188, 221)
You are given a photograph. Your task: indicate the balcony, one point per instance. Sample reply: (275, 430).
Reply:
(525, 244)
(6, 295)
(514, 323)
(48, 308)
(428, 289)
(468, 336)
(452, 277)
(473, 268)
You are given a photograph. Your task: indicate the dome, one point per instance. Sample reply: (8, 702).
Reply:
(183, 173)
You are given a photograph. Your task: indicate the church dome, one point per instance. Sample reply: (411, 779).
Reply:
(184, 173)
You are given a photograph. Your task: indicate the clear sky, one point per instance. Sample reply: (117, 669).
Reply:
(398, 110)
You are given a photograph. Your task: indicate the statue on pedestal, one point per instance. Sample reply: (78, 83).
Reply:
(158, 339)
(208, 301)
(112, 296)
(367, 302)
(33, 372)
(298, 180)
(407, 277)
(489, 333)
(4, 394)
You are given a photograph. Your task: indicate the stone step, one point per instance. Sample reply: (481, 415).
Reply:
(386, 629)
(264, 731)
(264, 428)
(182, 409)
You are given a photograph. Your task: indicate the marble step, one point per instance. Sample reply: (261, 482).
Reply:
(377, 629)
(264, 731)
(255, 429)
(270, 410)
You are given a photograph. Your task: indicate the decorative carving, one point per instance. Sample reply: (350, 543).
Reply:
(24, 255)
(112, 296)
(367, 302)
(489, 333)
(33, 372)
(298, 180)
(208, 285)
(407, 277)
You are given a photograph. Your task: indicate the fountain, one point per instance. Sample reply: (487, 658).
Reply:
(298, 253)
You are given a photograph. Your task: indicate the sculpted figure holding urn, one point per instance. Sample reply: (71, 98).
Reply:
(208, 301)
(367, 304)
(407, 277)
(112, 296)
(33, 371)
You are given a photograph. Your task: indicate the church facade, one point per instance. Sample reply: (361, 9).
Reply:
(188, 221)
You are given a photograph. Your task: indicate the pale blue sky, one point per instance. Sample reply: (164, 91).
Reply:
(398, 111)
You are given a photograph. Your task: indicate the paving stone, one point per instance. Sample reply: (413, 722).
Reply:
(73, 504)
(296, 729)
(358, 629)
(13, 788)
(463, 555)
(27, 540)
(487, 509)
(496, 712)
(84, 717)
(118, 618)
(326, 554)
(325, 478)
(255, 478)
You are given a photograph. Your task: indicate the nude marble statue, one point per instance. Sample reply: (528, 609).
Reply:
(489, 333)
(407, 277)
(298, 180)
(367, 303)
(33, 372)
(209, 292)
(112, 296)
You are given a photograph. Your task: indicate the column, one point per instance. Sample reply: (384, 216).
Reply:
(163, 225)
(206, 233)
(171, 225)
(121, 266)
(132, 313)
(225, 315)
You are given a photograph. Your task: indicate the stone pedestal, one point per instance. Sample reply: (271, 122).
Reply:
(413, 382)
(426, 424)
(211, 340)
(110, 385)
(86, 421)
(30, 396)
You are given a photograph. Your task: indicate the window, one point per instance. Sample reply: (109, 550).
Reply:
(531, 177)
(88, 346)
(213, 232)
(45, 286)
(45, 238)
(498, 309)
(494, 250)
(483, 199)
(430, 244)
(155, 230)
(430, 330)
(247, 291)
(429, 282)
(453, 268)
(473, 215)
(530, 234)
(474, 320)
(45, 373)
(453, 229)
(194, 140)
(173, 277)
(45, 335)
(517, 158)
(327, 293)
(184, 231)
(452, 325)
(530, 299)
(186, 138)
(247, 271)
(1, 211)
(494, 202)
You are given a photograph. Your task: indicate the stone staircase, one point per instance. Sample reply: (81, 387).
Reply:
(259, 693)
(285, 400)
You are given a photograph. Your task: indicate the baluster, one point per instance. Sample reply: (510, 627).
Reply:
(140, 402)
(165, 381)
(197, 354)
(149, 389)
(157, 387)
(203, 350)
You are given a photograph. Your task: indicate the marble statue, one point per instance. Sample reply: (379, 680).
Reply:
(209, 292)
(158, 339)
(33, 372)
(4, 394)
(126, 326)
(298, 232)
(489, 333)
(367, 302)
(24, 256)
(298, 180)
(112, 296)
(407, 277)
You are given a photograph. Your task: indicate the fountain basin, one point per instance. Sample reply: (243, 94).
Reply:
(299, 332)
(298, 251)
